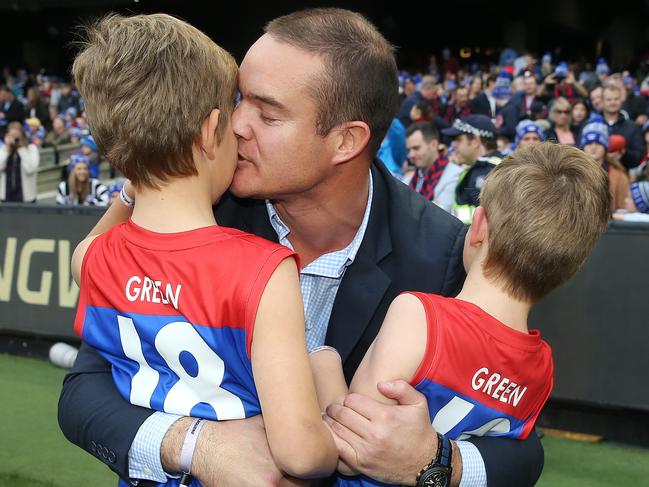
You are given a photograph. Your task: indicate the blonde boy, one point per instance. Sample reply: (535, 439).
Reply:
(481, 369)
(171, 299)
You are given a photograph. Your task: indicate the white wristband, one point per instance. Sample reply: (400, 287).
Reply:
(126, 199)
(187, 452)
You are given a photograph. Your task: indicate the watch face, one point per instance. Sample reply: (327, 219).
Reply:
(435, 477)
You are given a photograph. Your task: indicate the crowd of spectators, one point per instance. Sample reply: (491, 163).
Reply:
(494, 108)
(39, 112)
(525, 99)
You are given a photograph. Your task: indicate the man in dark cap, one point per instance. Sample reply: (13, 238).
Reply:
(474, 139)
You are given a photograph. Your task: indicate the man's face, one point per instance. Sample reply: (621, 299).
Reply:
(468, 149)
(409, 87)
(596, 99)
(530, 85)
(462, 97)
(595, 150)
(529, 139)
(611, 101)
(280, 153)
(421, 153)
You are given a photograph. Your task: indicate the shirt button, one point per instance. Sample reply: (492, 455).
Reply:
(148, 471)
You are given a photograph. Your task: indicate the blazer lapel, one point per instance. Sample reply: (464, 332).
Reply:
(364, 284)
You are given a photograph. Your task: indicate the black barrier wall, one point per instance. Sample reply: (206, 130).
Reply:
(37, 293)
(597, 324)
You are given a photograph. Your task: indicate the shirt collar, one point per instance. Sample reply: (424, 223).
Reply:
(332, 264)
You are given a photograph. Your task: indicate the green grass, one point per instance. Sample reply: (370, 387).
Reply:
(34, 452)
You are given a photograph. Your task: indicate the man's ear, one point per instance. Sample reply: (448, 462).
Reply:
(350, 140)
(208, 134)
(479, 230)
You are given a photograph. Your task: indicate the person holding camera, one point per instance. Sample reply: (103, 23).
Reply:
(562, 83)
(19, 162)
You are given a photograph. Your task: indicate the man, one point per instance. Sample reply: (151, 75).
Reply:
(428, 92)
(306, 178)
(474, 139)
(485, 102)
(422, 140)
(612, 98)
(459, 107)
(11, 110)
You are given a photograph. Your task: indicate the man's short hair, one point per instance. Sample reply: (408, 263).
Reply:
(149, 82)
(359, 80)
(546, 205)
(428, 131)
(491, 79)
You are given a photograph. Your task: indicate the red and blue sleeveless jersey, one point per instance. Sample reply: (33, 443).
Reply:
(480, 377)
(174, 315)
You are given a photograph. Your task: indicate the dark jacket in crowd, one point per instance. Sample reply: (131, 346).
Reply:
(634, 142)
(480, 105)
(14, 111)
(551, 134)
(635, 105)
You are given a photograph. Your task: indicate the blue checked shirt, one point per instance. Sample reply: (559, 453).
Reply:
(319, 282)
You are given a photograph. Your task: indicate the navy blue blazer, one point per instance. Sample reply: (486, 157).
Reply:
(409, 244)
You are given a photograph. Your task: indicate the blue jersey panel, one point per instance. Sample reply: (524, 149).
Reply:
(168, 364)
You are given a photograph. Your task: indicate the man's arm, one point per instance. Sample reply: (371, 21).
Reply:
(392, 443)
(94, 416)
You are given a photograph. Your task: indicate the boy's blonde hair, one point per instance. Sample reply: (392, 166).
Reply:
(148, 83)
(546, 205)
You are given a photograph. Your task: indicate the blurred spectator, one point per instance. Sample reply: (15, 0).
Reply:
(611, 106)
(580, 114)
(562, 83)
(68, 99)
(595, 98)
(58, 135)
(421, 112)
(485, 102)
(422, 141)
(636, 204)
(546, 64)
(19, 162)
(459, 106)
(594, 142)
(89, 149)
(449, 62)
(641, 172)
(527, 133)
(561, 129)
(35, 132)
(11, 110)
(476, 87)
(37, 108)
(113, 191)
(79, 188)
(75, 135)
(428, 92)
(474, 140)
(393, 150)
(635, 105)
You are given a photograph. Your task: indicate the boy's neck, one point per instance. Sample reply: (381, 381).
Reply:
(179, 205)
(492, 299)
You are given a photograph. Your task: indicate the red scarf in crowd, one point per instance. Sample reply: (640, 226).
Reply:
(430, 178)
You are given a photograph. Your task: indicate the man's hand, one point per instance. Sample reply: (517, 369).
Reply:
(390, 443)
(227, 453)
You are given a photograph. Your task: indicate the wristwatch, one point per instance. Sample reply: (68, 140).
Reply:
(438, 472)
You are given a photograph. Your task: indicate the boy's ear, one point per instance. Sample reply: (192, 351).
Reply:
(208, 133)
(479, 229)
(350, 140)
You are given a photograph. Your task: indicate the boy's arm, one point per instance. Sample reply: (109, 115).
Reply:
(116, 213)
(299, 441)
(327, 368)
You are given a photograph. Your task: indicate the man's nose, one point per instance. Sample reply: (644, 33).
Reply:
(239, 124)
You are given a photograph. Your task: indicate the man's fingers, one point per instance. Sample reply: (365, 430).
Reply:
(345, 451)
(402, 392)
